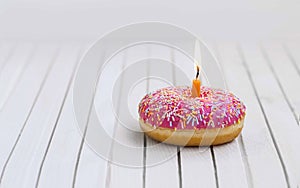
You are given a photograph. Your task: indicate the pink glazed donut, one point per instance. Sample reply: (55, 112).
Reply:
(171, 115)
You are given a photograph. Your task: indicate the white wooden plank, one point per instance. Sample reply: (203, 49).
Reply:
(127, 130)
(166, 172)
(197, 168)
(30, 149)
(13, 69)
(292, 50)
(286, 74)
(58, 167)
(6, 51)
(229, 163)
(260, 152)
(116, 175)
(24, 97)
(92, 169)
(194, 161)
(283, 125)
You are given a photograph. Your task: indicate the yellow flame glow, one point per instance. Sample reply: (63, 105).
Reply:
(197, 55)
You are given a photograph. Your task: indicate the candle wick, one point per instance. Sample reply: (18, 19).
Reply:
(197, 74)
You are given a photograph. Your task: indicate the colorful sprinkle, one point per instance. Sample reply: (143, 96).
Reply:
(173, 107)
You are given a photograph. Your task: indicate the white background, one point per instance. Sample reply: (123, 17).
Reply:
(89, 19)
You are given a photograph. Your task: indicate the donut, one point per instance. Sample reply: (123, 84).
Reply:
(171, 115)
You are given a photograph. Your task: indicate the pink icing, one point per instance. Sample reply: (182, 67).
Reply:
(173, 107)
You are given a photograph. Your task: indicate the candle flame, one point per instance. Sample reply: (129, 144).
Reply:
(197, 57)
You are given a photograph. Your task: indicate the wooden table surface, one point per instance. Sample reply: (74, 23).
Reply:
(41, 145)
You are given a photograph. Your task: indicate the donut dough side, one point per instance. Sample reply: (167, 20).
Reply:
(198, 137)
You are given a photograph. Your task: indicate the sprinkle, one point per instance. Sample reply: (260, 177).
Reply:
(175, 105)
(200, 116)
(189, 119)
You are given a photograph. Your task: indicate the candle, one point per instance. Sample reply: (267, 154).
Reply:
(196, 85)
